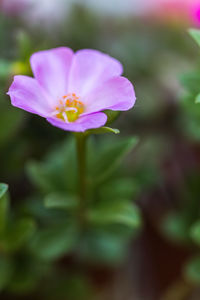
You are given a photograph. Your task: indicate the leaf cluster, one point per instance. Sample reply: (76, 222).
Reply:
(110, 217)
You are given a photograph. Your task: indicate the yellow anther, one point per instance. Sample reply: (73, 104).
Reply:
(69, 108)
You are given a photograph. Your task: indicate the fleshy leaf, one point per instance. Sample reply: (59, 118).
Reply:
(111, 116)
(104, 245)
(191, 82)
(120, 188)
(73, 285)
(4, 206)
(52, 175)
(9, 128)
(176, 228)
(197, 100)
(192, 270)
(195, 34)
(6, 270)
(195, 232)
(39, 176)
(19, 233)
(102, 130)
(61, 201)
(5, 68)
(51, 243)
(25, 44)
(110, 157)
(26, 276)
(120, 212)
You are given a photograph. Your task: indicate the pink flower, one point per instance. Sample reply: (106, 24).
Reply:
(195, 12)
(181, 11)
(71, 89)
(13, 7)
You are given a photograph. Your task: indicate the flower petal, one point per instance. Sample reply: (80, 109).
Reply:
(91, 68)
(115, 94)
(95, 120)
(51, 69)
(26, 93)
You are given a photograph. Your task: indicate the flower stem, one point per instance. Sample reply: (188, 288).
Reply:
(81, 156)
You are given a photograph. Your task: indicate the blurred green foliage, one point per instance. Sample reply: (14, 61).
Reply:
(56, 179)
(44, 250)
(182, 225)
(109, 223)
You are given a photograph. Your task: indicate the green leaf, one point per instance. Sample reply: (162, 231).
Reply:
(195, 34)
(23, 283)
(120, 188)
(103, 246)
(74, 286)
(19, 233)
(192, 270)
(197, 100)
(77, 287)
(53, 174)
(51, 243)
(102, 130)
(25, 44)
(195, 232)
(59, 201)
(5, 68)
(119, 212)
(110, 158)
(40, 176)
(26, 275)
(4, 206)
(191, 113)
(111, 116)
(191, 82)
(8, 127)
(6, 270)
(176, 228)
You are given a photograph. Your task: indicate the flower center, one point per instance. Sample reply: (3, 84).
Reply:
(69, 108)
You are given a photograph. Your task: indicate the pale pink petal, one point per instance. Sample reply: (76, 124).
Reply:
(90, 68)
(51, 69)
(115, 94)
(91, 121)
(26, 93)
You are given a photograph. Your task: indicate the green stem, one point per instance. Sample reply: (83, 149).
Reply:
(81, 156)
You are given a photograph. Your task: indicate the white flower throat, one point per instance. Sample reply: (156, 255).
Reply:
(69, 108)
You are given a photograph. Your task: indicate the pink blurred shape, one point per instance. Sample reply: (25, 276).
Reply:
(13, 7)
(195, 12)
(178, 11)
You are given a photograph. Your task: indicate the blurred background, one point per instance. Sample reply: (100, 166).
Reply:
(151, 39)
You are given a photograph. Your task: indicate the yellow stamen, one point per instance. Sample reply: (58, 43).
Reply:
(69, 108)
